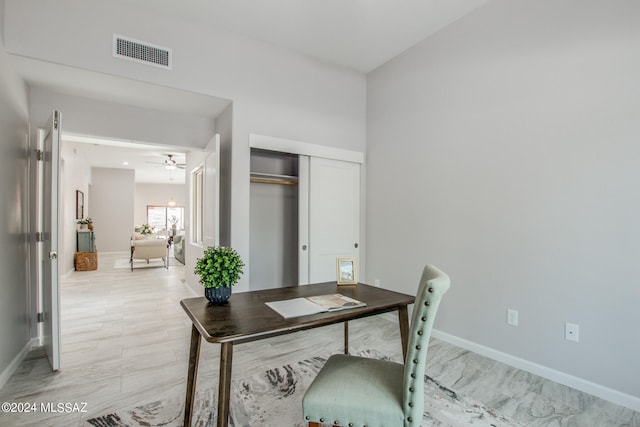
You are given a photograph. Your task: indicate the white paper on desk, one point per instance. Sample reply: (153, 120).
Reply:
(295, 307)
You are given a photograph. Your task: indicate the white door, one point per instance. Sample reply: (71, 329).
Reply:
(211, 217)
(49, 183)
(334, 215)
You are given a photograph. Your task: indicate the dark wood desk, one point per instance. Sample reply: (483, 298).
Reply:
(246, 318)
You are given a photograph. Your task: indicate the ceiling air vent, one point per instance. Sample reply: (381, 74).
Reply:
(142, 52)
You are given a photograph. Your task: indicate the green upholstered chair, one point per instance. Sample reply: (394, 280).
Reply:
(357, 392)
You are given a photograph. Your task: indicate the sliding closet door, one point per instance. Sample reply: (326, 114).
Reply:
(334, 215)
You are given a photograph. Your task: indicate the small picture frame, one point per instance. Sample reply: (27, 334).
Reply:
(346, 271)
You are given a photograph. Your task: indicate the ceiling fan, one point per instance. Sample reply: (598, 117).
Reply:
(170, 163)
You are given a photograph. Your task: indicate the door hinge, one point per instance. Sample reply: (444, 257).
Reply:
(55, 120)
(39, 236)
(39, 155)
(40, 317)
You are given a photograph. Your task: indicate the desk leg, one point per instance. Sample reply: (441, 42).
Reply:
(346, 338)
(403, 319)
(224, 386)
(194, 357)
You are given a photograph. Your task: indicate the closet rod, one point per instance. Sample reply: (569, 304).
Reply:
(273, 181)
(270, 178)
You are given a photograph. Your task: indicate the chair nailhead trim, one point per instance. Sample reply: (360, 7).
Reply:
(350, 424)
(410, 404)
(306, 418)
(430, 289)
(427, 303)
(336, 422)
(418, 347)
(321, 420)
(424, 318)
(409, 419)
(411, 389)
(420, 332)
(415, 360)
(413, 375)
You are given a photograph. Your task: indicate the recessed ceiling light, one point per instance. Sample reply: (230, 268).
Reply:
(125, 163)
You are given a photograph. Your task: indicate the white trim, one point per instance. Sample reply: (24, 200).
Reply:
(15, 363)
(304, 148)
(617, 397)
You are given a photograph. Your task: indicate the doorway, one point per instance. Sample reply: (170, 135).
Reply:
(86, 116)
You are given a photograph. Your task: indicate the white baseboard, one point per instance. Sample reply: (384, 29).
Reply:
(15, 363)
(606, 393)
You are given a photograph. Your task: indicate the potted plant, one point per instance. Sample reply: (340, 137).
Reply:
(219, 269)
(146, 230)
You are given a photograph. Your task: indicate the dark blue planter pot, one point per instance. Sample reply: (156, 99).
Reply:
(217, 296)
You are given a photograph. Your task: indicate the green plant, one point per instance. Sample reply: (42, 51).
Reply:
(146, 229)
(219, 267)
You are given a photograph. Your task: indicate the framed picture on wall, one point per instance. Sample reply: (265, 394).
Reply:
(79, 204)
(346, 271)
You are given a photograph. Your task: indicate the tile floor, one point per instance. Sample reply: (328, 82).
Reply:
(125, 340)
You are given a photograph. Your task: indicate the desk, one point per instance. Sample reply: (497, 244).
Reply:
(246, 318)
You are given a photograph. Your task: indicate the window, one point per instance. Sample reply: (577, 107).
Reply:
(164, 217)
(197, 205)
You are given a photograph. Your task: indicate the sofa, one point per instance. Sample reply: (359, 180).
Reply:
(178, 247)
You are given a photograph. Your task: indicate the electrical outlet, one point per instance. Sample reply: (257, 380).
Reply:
(512, 317)
(572, 332)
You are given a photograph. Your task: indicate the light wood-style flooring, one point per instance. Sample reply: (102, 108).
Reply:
(125, 341)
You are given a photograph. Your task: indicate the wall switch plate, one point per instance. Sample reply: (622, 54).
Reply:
(572, 332)
(512, 317)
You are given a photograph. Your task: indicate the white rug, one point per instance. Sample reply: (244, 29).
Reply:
(274, 398)
(138, 263)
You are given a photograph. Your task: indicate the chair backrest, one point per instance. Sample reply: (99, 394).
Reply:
(433, 285)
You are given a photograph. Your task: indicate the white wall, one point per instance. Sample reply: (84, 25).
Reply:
(15, 303)
(274, 92)
(112, 195)
(87, 116)
(75, 174)
(504, 149)
(224, 127)
(156, 195)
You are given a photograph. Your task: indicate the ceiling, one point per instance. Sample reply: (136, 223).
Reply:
(357, 34)
(146, 160)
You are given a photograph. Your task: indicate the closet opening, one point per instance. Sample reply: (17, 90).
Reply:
(273, 227)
